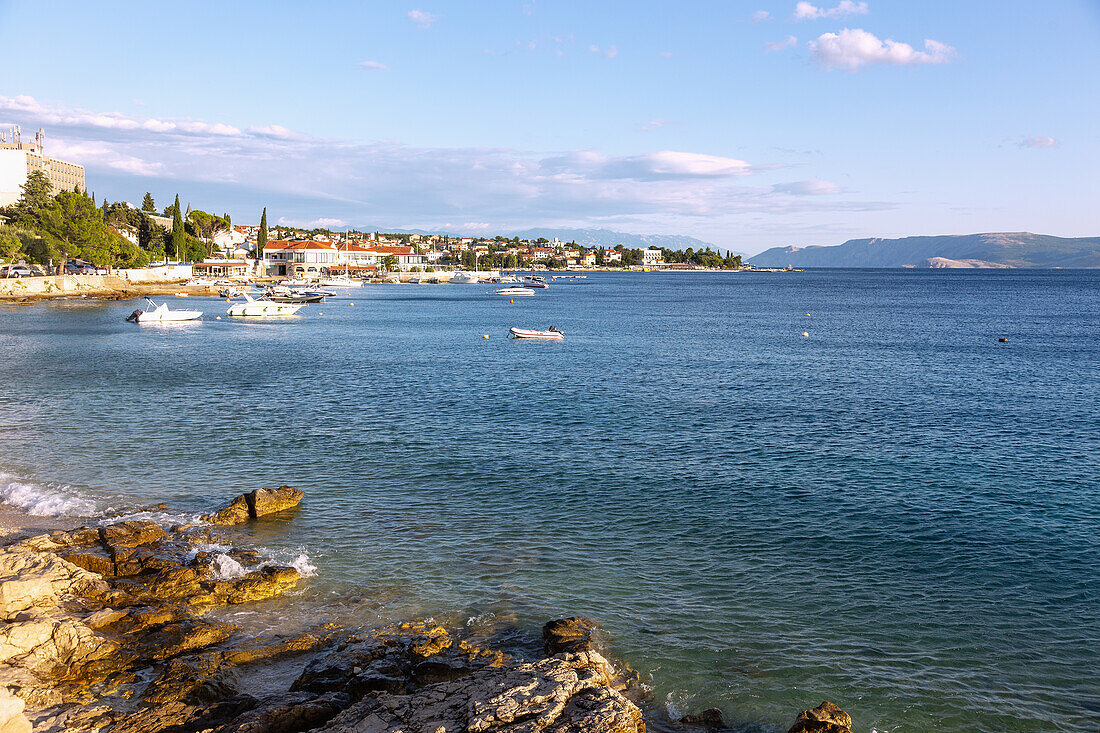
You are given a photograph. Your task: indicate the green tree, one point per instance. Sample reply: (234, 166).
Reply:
(147, 203)
(389, 263)
(35, 195)
(261, 238)
(178, 233)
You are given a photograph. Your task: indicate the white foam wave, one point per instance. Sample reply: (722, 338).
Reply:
(227, 568)
(41, 500)
(164, 519)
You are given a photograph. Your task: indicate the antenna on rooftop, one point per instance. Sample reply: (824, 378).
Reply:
(40, 139)
(17, 134)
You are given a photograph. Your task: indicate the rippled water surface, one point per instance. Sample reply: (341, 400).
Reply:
(898, 513)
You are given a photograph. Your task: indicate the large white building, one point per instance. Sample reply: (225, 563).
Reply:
(19, 159)
(652, 257)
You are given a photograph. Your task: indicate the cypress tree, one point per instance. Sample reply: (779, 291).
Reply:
(261, 237)
(177, 229)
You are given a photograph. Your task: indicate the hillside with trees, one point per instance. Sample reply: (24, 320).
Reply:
(46, 227)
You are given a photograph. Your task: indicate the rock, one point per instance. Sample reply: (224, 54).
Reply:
(825, 718)
(188, 635)
(562, 694)
(258, 503)
(103, 617)
(130, 534)
(270, 501)
(711, 718)
(573, 634)
(295, 711)
(236, 513)
(258, 585)
(12, 719)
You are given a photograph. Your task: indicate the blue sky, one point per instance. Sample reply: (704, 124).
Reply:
(746, 124)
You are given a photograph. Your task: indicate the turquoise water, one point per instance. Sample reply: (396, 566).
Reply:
(897, 513)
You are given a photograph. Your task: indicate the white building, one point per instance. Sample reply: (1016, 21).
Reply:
(651, 257)
(19, 159)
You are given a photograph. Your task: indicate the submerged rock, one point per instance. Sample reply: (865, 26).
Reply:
(256, 504)
(573, 634)
(711, 718)
(825, 718)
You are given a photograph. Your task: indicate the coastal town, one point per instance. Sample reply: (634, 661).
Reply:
(52, 224)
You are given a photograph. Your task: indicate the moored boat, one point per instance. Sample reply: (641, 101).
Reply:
(162, 314)
(550, 334)
(464, 278)
(534, 281)
(263, 307)
(340, 281)
(515, 291)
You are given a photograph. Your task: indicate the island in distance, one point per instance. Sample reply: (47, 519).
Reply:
(1004, 249)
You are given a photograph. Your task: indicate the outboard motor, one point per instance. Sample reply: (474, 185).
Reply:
(133, 317)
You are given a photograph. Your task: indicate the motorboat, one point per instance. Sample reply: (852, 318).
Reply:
(416, 280)
(263, 307)
(507, 279)
(339, 281)
(464, 278)
(295, 282)
(550, 334)
(162, 314)
(534, 281)
(230, 292)
(286, 295)
(515, 291)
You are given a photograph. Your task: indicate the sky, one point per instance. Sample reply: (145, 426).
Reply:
(745, 124)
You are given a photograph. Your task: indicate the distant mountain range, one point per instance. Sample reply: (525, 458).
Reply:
(1004, 249)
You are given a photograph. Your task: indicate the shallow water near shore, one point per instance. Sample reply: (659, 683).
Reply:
(897, 513)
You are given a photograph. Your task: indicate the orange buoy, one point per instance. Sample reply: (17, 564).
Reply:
(511, 301)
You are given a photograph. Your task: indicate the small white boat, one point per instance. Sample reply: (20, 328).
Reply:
(253, 307)
(515, 291)
(162, 314)
(508, 279)
(550, 334)
(534, 281)
(464, 278)
(340, 281)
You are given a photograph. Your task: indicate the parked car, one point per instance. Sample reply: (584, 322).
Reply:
(79, 268)
(15, 271)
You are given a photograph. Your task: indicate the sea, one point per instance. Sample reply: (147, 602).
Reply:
(877, 487)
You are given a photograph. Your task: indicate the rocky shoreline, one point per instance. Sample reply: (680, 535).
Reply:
(110, 629)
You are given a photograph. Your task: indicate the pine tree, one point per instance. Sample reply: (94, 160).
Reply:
(147, 203)
(177, 230)
(261, 238)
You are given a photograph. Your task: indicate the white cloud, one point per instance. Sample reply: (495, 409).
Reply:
(1037, 141)
(851, 49)
(760, 16)
(610, 52)
(338, 182)
(25, 105)
(373, 66)
(323, 222)
(104, 154)
(422, 19)
(780, 45)
(807, 188)
(665, 54)
(652, 124)
(809, 11)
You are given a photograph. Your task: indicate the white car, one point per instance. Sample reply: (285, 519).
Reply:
(15, 271)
